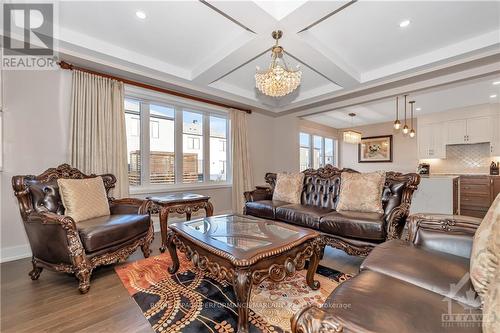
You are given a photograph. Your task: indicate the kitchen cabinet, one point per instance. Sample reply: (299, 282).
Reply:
(476, 194)
(495, 187)
(469, 131)
(430, 141)
(495, 145)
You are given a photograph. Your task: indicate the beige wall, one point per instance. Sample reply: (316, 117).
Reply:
(36, 129)
(404, 154)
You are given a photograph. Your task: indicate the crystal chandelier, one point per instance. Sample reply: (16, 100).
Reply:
(352, 136)
(277, 80)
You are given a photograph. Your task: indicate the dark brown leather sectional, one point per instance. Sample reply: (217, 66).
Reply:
(354, 232)
(407, 286)
(60, 244)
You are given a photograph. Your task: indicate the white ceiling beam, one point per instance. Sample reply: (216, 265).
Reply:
(321, 61)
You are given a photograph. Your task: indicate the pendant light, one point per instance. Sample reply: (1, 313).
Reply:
(412, 131)
(405, 127)
(352, 136)
(397, 123)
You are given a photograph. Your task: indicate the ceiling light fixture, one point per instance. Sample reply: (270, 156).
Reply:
(404, 23)
(418, 109)
(140, 14)
(493, 96)
(412, 131)
(277, 80)
(397, 123)
(496, 83)
(405, 127)
(352, 136)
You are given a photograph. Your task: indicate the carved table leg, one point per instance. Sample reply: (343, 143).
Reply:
(313, 266)
(242, 285)
(163, 227)
(209, 209)
(188, 214)
(36, 271)
(173, 253)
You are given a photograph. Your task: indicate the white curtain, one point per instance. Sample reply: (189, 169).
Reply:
(242, 175)
(98, 136)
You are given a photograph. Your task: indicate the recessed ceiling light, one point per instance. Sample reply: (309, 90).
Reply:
(418, 109)
(493, 96)
(496, 83)
(140, 14)
(404, 23)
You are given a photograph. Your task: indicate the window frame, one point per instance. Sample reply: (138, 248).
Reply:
(311, 149)
(179, 105)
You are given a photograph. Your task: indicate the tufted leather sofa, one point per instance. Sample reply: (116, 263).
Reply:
(60, 244)
(420, 284)
(354, 232)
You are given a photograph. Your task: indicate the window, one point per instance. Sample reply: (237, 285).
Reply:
(316, 151)
(218, 154)
(305, 150)
(179, 145)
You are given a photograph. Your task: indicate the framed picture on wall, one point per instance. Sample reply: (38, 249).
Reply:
(375, 149)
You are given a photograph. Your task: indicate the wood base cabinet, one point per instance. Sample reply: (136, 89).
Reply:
(477, 194)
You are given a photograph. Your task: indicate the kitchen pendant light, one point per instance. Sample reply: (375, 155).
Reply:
(405, 127)
(352, 136)
(397, 123)
(412, 131)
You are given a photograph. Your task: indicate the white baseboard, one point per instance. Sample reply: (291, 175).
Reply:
(12, 253)
(15, 252)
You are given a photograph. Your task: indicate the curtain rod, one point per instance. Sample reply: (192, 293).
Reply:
(65, 65)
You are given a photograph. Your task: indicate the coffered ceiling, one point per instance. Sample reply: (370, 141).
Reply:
(213, 48)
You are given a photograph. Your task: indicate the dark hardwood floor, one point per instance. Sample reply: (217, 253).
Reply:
(53, 303)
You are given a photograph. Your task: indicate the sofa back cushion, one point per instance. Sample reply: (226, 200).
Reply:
(320, 191)
(45, 196)
(361, 192)
(84, 198)
(288, 187)
(485, 254)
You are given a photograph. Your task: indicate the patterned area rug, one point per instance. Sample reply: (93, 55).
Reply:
(192, 301)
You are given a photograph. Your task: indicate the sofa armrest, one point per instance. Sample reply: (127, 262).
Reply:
(451, 234)
(396, 221)
(258, 194)
(130, 206)
(53, 238)
(312, 319)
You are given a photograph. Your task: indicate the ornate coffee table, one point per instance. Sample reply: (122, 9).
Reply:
(245, 250)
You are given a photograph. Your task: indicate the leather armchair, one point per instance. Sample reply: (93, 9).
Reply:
(60, 244)
(442, 242)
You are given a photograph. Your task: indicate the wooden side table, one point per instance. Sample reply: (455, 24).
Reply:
(180, 203)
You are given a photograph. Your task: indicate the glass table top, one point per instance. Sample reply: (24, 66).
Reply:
(241, 232)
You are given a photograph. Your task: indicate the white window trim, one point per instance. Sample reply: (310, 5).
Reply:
(179, 104)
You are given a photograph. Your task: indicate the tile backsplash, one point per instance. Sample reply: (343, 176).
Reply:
(473, 158)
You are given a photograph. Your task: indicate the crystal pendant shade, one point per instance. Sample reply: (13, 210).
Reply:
(352, 137)
(277, 80)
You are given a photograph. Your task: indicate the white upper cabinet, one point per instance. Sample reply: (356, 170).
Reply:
(430, 141)
(480, 129)
(456, 131)
(468, 131)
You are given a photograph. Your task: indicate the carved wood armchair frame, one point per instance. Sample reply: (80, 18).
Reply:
(75, 260)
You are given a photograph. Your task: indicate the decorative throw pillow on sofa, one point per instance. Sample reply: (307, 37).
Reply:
(84, 199)
(288, 187)
(361, 192)
(484, 263)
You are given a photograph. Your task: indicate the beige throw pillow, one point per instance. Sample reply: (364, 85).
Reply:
(288, 187)
(485, 257)
(84, 199)
(361, 192)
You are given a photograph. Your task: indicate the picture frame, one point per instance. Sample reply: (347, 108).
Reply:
(376, 149)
